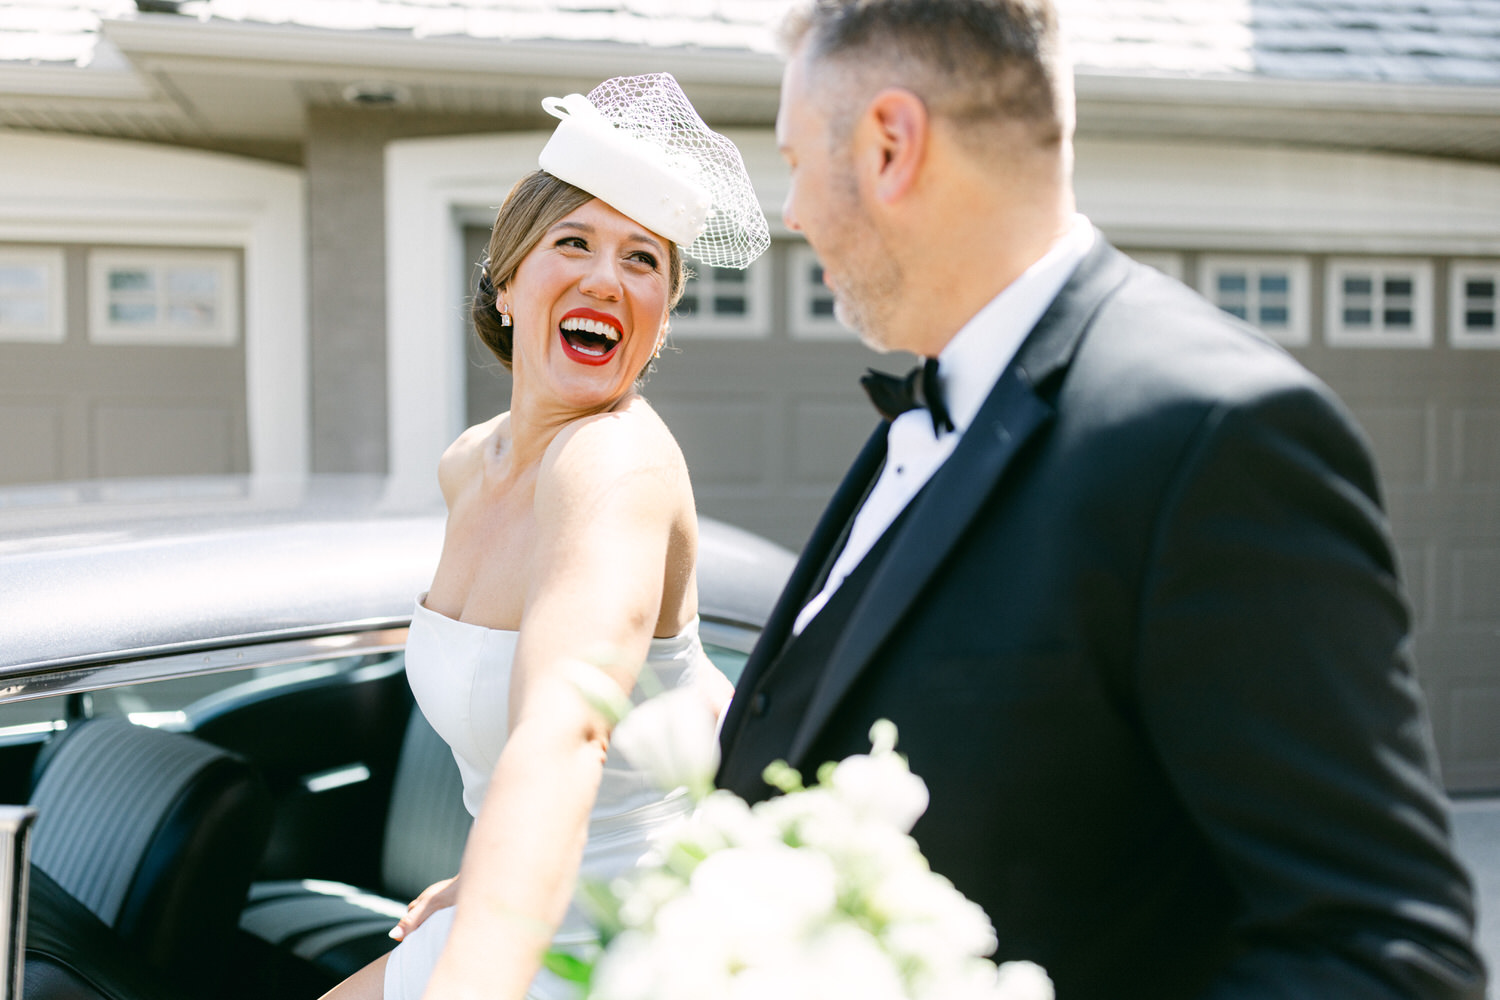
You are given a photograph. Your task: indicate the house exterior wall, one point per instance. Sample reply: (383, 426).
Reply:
(228, 395)
(347, 271)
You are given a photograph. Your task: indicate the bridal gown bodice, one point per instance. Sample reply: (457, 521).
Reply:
(460, 675)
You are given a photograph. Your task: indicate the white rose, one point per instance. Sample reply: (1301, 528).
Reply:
(726, 818)
(928, 921)
(814, 817)
(678, 962)
(840, 961)
(972, 980)
(882, 788)
(626, 970)
(643, 893)
(763, 900)
(1022, 981)
(671, 738)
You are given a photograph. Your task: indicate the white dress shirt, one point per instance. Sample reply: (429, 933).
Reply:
(968, 369)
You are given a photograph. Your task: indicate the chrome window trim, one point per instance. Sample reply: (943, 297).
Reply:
(103, 671)
(194, 659)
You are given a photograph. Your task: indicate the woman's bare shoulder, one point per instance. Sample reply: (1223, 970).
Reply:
(630, 447)
(464, 458)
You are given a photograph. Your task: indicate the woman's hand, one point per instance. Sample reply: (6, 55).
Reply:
(433, 898)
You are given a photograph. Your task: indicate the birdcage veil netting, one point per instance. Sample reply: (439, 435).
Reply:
(653, 107)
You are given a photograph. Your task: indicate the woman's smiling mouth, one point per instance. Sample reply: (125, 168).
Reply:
(590, 337)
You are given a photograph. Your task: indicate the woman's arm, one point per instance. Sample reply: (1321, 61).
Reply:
(607, 498)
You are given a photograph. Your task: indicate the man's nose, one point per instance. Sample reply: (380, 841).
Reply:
(788, 216)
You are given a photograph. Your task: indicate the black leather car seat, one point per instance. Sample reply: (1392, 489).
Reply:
(71, 955)
(323, 931)
(157, 835)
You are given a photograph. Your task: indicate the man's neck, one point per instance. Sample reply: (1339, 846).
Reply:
(966, 265)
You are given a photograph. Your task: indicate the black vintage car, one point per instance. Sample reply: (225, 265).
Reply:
(202, 697)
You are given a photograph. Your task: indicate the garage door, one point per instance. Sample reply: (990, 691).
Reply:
(120, 361)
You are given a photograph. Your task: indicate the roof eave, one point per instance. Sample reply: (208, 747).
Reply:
(178, 37)
(73, 82)
(1244, 91)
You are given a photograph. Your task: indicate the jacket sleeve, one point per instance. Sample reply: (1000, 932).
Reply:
(1275, 681)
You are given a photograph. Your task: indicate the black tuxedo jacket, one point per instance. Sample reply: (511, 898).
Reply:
(1143, 637)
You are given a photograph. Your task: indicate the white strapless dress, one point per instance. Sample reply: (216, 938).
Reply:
(460, 674)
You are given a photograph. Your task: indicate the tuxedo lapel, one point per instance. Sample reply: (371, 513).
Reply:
(1017, 408)
(811, 567)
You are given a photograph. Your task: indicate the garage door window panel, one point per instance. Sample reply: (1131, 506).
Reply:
(1379, 303)
(724, 302)
(31, 296)
(811, 301)
(1269, 292)
(146, 298)
(1474, 305)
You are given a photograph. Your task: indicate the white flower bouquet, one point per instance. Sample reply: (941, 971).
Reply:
(819, 892)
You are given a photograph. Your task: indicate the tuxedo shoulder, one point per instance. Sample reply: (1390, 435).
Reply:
(1157, 341)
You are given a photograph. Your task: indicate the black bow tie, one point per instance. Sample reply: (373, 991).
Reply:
(893, 395)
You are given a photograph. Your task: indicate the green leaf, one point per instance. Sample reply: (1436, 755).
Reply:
(568, 967)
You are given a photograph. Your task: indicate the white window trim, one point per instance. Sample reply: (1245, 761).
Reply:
(754, 324)
(1381, 268)
(800, 320)
(55, 330)
(1298, 332)
(167, 197)
(225, 331)
(1458, 272)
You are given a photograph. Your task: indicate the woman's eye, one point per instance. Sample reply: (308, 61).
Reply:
(577, 242)
(643, 257)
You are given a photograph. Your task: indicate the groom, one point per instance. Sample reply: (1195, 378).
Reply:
(1123, 582)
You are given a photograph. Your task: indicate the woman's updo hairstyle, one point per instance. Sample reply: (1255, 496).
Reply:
(537, 203)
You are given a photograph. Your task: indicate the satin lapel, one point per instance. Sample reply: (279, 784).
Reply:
(815, 554)
(1017, 408)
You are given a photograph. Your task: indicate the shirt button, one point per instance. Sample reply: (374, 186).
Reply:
(758, 703)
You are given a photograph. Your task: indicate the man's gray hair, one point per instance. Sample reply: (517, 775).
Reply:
(974, 62)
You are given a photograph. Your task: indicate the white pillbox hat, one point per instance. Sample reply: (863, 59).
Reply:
(636, 177)
(636, 143)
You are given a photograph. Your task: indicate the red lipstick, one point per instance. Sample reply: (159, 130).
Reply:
(586, 346)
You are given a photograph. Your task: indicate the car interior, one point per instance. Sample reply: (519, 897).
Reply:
(251, 833)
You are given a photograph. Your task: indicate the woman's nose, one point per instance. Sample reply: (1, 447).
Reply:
(602, 280)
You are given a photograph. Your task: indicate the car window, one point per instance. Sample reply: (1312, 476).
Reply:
(173, 703)
(730, 661)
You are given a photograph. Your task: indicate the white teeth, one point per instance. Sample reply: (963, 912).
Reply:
(594, 326)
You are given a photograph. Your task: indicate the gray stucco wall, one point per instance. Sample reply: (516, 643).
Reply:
(345, 161)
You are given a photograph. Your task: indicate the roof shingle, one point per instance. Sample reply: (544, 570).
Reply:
(1409, 41)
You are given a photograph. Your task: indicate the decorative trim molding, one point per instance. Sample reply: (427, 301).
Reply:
(69, 189)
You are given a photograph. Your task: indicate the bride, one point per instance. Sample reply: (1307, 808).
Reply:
(571, 536)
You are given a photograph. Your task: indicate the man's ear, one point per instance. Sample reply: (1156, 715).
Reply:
(898, 125)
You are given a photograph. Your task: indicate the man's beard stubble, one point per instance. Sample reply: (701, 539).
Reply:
(869, 289)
